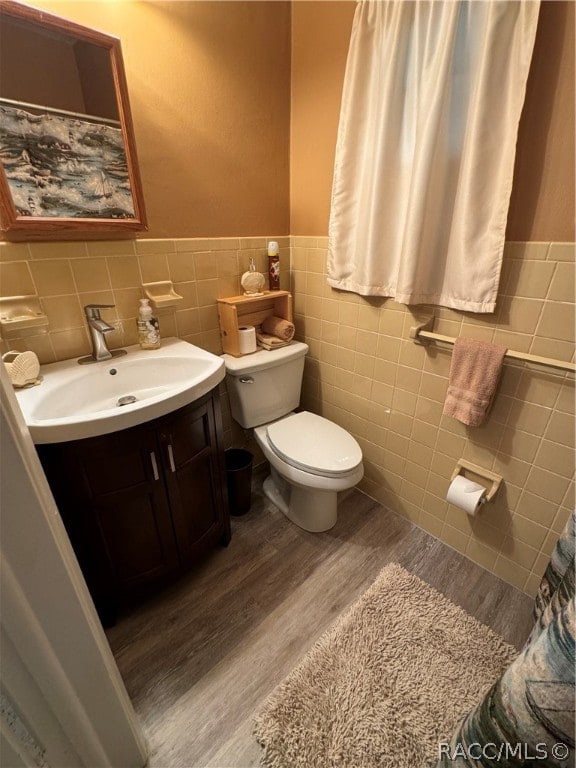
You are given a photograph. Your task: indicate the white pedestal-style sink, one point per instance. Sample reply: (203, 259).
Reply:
(73, 402)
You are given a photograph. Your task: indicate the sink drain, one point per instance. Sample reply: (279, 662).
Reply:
(126, 400)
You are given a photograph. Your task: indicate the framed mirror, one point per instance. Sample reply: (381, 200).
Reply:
(68, 166)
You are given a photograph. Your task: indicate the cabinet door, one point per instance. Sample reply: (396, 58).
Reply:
(116, 505)
(194, 478)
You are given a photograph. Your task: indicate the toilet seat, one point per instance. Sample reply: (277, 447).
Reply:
(314, 444)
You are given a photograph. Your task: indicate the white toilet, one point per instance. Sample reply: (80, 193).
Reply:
(311, 458)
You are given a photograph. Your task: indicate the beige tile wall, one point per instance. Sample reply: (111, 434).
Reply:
(365, 373)
(66, 276)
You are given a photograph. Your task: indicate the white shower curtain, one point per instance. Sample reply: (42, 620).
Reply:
(425, 155)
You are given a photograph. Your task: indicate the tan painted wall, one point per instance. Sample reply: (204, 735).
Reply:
(210, 92)
(24, 54)
(320, 39)
(542, 203)
(209, 86)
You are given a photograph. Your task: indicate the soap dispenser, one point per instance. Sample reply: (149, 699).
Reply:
(148, 327)
(252, 281)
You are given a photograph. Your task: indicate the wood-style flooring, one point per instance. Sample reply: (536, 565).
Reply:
(199, 658)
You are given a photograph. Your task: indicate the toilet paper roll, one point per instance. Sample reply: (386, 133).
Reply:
(466, 494)
(247, 339)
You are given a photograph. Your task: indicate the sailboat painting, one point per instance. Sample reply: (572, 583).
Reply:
(61, 165)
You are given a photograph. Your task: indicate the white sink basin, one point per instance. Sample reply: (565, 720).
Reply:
(76, 401)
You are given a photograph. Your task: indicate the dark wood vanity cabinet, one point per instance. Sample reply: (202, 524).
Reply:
(143, 504)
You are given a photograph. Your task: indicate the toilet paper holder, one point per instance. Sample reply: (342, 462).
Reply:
(495, 479)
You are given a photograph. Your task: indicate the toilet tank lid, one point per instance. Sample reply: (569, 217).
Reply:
(264, 358)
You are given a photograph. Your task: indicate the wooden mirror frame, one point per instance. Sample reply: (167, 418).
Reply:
(17, 227)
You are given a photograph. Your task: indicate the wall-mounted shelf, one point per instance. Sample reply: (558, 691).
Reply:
(21, 316)
(235, 311)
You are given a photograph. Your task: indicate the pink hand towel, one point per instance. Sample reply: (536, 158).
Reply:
(474, 375)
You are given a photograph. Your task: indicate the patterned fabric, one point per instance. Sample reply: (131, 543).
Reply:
(557, 586)
(527, 717)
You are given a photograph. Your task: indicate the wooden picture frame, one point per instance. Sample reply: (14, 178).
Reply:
(113, 211)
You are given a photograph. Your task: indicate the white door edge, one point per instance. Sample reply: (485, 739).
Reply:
(49, 617)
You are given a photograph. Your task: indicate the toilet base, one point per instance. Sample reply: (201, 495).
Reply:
(312, 509)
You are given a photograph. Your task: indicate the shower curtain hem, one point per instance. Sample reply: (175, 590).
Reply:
(453, 302)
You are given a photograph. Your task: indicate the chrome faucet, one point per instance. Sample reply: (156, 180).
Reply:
(98, 328)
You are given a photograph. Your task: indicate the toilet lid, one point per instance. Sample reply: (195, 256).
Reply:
(314, 444)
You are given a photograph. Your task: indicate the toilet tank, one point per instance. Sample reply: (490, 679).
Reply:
(266, 385)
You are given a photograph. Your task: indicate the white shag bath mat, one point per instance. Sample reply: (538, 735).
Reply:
(385, 684)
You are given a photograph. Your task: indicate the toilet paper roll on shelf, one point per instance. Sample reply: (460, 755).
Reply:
(247, 339)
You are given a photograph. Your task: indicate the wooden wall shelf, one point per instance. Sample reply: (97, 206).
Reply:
(235, 311)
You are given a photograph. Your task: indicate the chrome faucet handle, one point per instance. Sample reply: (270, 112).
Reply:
(92, 311)
(97, 328)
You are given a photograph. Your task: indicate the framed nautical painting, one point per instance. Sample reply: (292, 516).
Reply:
(68, 166)
(64, 164)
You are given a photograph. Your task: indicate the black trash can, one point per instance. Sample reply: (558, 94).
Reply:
(238, 463)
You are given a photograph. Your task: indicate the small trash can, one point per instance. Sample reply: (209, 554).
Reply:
(238, 463)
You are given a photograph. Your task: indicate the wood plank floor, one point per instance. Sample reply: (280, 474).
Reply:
(200, 658)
